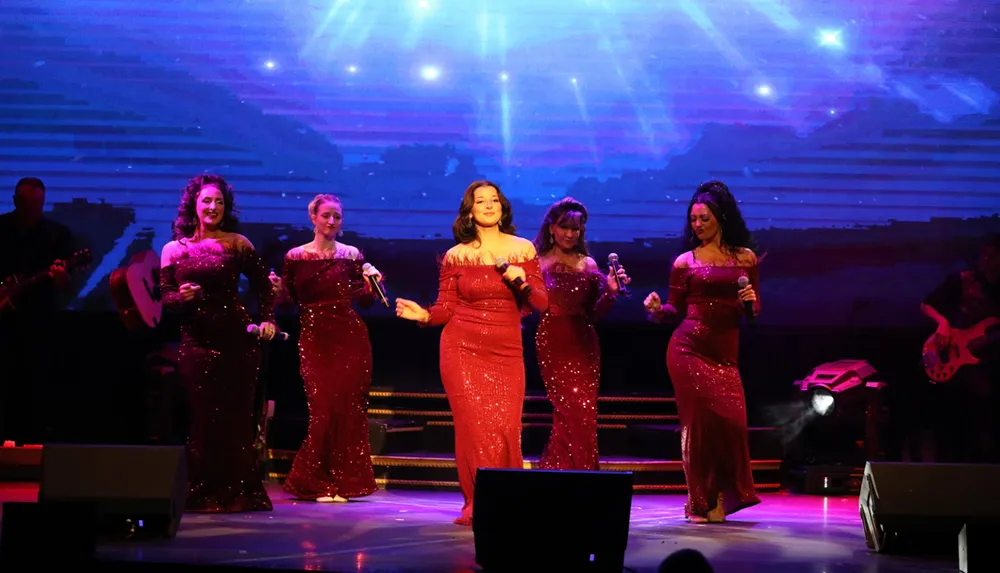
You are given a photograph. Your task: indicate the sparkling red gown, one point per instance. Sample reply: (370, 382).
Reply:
(569, 358)
(702, 361)
(336, 366)
(219, 365)
(482, 365)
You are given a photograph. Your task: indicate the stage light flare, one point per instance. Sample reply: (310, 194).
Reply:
(430, 73)
(830, 38)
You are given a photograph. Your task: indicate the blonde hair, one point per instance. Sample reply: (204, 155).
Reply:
(323, 198)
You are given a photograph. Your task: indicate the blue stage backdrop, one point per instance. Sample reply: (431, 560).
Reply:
(861, 137)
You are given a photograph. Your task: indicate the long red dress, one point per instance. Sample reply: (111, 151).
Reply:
(336, 365)
(482, 364)
(702, 362)
(219, 365)
(569, 358)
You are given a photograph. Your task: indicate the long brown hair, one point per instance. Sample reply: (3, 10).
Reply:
(561, 212)
(186, 223)
(464, 228)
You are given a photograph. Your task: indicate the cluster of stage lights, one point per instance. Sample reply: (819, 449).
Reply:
(825, 38)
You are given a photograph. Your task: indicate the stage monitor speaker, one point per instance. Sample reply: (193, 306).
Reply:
(138, 491)
(922, 508)
(546, 520)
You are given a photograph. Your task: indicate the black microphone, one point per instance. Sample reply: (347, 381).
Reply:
(376, 285)
(278, 335)
(747, 305)
(613, 263)
(518, 282)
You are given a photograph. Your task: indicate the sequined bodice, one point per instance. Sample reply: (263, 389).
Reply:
(483, 296)
(571, 292)
(312, 280)
(711, 294)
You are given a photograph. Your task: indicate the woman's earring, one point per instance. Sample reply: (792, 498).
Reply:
(340, 233)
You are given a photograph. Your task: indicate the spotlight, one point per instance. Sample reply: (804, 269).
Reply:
(839, 427)
(821, 400)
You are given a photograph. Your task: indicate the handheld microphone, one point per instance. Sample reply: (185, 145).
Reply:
(748, 305)
(376, 285)
(255, 330)
(613, 263)
(518, 282)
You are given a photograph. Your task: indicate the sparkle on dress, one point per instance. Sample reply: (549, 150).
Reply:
(482, 364)
(569, 358)
(702, 361)
(219, 365)
(335, 357)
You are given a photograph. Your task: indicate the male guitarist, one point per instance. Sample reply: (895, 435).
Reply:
(30, 243)
(966, 407)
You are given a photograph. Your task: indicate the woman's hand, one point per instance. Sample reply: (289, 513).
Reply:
(653, 303)
(615, 278)
(747, 294)
(267, 330)
(409, 310)
(189, 291)
(276, 283)
(515, 272)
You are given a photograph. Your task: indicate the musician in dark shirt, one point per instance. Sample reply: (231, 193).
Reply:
(30, 244)
(965, 408)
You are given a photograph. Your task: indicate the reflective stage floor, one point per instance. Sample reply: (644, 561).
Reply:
(404, 531)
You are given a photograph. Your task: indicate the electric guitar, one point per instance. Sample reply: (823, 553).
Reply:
(135, 289)
(942, 363)
(13, 287)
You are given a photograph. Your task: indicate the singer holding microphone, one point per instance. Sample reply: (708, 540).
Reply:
(325, 278)
(219, 360)
(706, 296)
(569, 353)
(485, 282)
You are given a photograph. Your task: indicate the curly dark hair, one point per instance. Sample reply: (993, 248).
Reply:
(464, 228)
(186, 222)
(720, 201)
(563, 212)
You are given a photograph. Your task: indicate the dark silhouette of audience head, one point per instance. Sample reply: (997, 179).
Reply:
(685, 561)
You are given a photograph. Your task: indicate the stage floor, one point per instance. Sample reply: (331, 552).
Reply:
(404, 531)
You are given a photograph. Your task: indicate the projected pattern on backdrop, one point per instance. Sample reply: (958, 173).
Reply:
(818, 114)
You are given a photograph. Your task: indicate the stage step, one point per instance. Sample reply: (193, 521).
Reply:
(433, 470)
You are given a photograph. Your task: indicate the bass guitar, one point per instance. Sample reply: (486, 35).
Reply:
(941, 362)
(14, 287)
(135, 289)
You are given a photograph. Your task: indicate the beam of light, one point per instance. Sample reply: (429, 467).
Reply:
(778, 13)
(620, 38)
(581, 104)
(505, 121)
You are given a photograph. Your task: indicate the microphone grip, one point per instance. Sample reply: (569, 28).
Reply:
(747, 305)
(622, 289)
(518, 282)
(278, 334)
(377, 287)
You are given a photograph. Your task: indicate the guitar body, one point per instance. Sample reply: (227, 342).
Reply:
(941, 364)
(135, 289)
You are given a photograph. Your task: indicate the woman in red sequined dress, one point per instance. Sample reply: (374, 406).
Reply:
(219, 361)
(482, 358)
(325, 278)
(703, 352)
(569, 353)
